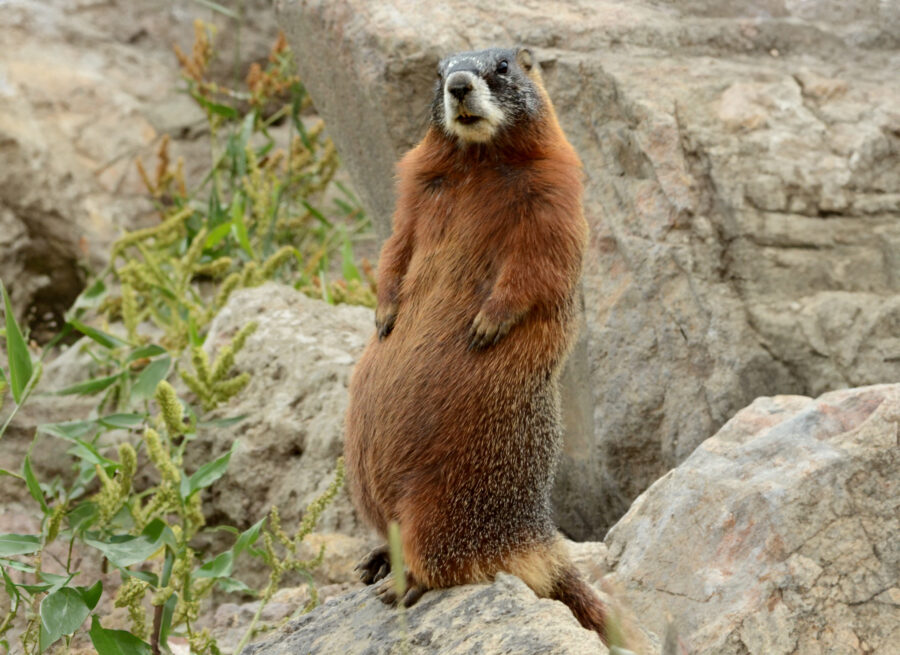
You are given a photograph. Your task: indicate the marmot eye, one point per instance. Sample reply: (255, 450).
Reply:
(503, 66)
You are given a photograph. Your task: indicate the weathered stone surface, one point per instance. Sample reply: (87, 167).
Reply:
(230, 621)
(743, 189)
(502, 618)
(300, 359)
(779, 534)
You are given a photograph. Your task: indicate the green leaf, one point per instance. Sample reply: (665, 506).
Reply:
(34, 487)
(105, 339)
(91, 595)
(18, 544)
(222, 422)
(89, 387)
(230, 529)
(51, 583)
(18, 566)
(116, 642)
(82, 516)
(89, 453)
(11, 591)
(234, 585)
(216, 108)
(210, 472)
(165, 624)
(215, 6)
(20, 368)
(238, 144)
(218, 567)
(125, 421)
(62, 613)
(316, 213)
(145, 385)
(298, 93)
(151, 350)
(146, 576)
(10, 473)
(69, 430)
(125, 550)
(216, 235)
(248, 537)
(239, 228)
(348, 266)
(90, 297)
(193, 332)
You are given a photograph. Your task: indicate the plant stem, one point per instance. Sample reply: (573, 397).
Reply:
(248, 634)
(157, 625)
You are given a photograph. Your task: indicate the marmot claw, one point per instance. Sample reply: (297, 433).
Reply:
(486, 332)
(385, 316)
(387, 592)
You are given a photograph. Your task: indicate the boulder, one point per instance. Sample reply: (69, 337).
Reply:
(778, 535)
(742, 187)
(501, 618)
(300, 358)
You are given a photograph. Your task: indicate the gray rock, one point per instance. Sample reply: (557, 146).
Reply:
(501, 618)
(779, 534)
(742, 185)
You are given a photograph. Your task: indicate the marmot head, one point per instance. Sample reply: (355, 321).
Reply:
(477, 94)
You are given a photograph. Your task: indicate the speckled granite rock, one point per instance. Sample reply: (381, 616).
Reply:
(504, 618)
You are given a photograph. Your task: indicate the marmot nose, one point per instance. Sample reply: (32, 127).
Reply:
(459, 87)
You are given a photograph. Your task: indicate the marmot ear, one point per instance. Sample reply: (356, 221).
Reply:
(525, 59)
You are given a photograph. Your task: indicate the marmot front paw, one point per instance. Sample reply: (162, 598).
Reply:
(385, 315)
(374, 566)
(487, 331)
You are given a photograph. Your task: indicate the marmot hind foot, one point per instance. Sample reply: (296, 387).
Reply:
(387, 592)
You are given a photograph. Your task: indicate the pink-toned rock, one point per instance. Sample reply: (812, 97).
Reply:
(779, 534)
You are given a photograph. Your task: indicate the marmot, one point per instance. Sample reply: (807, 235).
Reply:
(453, 429)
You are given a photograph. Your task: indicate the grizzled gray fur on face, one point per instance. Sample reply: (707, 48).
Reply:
(478, 93)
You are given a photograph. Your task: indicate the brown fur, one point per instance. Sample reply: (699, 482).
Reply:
(459, 445)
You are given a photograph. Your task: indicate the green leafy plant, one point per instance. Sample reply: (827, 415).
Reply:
(143, 533)
(131, 502)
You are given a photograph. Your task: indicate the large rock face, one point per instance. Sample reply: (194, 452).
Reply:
(743, 189)
(779, 534)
